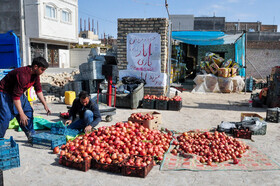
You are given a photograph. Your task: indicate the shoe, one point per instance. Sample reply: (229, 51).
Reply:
(29, 136)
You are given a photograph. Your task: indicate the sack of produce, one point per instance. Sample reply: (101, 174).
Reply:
(227, 63)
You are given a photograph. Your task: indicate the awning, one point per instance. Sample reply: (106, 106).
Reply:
(205, 37)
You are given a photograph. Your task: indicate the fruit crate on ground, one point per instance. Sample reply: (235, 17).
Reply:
(273, 115)
(48, 140)
(9, 154)
(150, 124)
(83, 166)
(250, 115)
(8, 148)
(174, 105)
(63, 130)
(136, 171)
(161, 104)
(262, 130)
(242, 133)
(113, 167)
(10, 163)
(149, 103)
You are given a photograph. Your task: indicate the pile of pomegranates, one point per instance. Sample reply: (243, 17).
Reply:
(112, 144)
(211, 147)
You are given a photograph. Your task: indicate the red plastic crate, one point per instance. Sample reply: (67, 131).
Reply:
(242, 133)
(114, 167)
(83, 166)
(135, 171)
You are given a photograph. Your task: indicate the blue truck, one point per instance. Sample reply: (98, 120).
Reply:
(9, 53)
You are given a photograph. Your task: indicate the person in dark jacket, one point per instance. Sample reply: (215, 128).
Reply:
(88, 111)
(13, 102)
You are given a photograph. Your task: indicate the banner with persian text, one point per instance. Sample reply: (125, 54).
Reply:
(153, 79)
(144, 52)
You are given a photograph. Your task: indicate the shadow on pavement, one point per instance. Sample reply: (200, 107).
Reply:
(215, 106)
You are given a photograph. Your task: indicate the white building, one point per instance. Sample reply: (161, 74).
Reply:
(88, 37)
(49, 26)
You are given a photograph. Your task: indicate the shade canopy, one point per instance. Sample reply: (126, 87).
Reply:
(205, 37)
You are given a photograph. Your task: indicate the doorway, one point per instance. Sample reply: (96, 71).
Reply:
(53, 56)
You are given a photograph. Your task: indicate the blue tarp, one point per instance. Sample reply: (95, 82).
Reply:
(206, 38)
(199, 37)
(240, 54)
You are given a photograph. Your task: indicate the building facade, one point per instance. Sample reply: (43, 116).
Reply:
(209, 23)
(182, 22)
(46, 28)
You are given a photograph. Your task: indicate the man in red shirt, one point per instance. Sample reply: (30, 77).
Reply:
(13, 102)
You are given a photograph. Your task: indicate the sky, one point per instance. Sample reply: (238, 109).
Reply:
(107, 12)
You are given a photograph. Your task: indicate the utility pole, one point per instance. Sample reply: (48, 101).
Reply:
(169, 50)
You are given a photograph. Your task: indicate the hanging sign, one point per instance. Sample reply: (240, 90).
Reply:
(153, 79)
(143, 52)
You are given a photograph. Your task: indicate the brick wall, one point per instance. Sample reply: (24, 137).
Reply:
(270, 28)
(242, 26)
(260, 61)
(150, 25)
(261, 57)
(263, 45)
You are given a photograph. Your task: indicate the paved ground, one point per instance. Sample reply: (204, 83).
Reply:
(200, 111)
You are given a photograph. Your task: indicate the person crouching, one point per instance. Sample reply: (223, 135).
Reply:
(88, 111)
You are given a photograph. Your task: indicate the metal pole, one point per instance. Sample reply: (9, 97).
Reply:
(245, 62)
(169, 50)
(22, 33)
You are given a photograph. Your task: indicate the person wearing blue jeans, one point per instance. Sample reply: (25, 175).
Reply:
(13, 102)
(88, 111)
(8, 112)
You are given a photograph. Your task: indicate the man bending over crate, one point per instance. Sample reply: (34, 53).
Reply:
(13, 102)
(89, 115)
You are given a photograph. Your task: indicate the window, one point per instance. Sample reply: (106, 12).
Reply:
(84, 36)
(50, 12)
(65, 16)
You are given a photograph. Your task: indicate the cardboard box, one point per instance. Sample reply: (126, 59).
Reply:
(150, 124)
(251, 115)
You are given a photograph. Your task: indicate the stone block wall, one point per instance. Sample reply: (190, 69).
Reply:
(78, 56)
(149, 25)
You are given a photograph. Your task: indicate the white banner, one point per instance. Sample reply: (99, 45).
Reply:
(143, 52)
(153, 79)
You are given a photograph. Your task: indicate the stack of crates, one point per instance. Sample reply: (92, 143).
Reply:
(56, 137)
(249, 84)
(273, 99)
(9, 154)
(273, 115)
